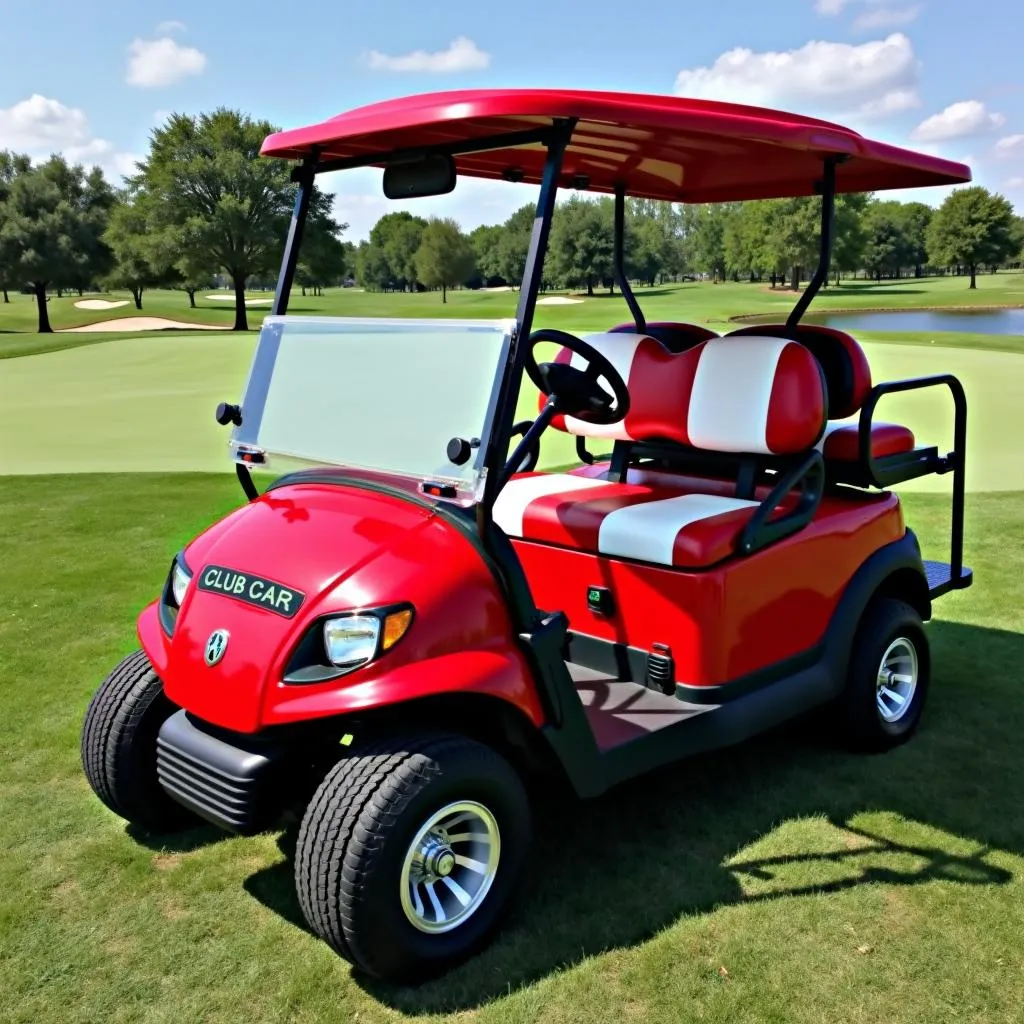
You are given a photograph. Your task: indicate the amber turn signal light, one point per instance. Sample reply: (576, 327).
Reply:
(395, 626)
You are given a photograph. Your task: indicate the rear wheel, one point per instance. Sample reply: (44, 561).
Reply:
(890, 669)
(119, 746)
(409, 852)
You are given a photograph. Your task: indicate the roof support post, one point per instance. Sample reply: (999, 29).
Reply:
(497, 443)
(618, 260)
(303, 174)
(828, 219)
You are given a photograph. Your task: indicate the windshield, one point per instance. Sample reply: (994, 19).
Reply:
(382, 395)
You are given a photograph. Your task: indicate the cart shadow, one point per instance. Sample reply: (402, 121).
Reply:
(611, 873)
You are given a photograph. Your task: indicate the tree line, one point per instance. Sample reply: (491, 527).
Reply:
(775, 240)
(203, 206)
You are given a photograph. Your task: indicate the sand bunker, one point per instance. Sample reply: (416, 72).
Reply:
(557, 300)
(99, 304)
(248, 302)
(143, 323)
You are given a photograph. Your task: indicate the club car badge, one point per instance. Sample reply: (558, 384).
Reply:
(216, 646)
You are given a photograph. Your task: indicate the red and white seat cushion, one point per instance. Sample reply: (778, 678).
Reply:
(841, 441)
(631, 521)
(756, 395)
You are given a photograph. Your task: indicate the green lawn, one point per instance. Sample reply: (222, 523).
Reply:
(780, 881)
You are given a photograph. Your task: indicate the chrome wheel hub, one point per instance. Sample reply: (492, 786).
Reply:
(450, 866)
(897, 680)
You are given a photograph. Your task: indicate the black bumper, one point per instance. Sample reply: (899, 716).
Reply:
(235, 784)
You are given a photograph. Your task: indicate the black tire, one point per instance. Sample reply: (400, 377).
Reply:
(885, 621)
(119, 746)
(357, 831)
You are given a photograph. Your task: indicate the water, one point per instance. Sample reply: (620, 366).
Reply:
(989, 321)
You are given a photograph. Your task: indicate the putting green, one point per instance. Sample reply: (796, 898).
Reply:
(147, 404)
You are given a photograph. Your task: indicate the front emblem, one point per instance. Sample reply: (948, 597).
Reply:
(216, 646)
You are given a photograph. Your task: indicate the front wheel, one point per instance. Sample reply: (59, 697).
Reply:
(119, 746)
(890, 669)
(409, 852)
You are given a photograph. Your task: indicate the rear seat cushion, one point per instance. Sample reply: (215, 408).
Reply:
(841, 442)
(631, 521)
(842, 360)
(754, 395)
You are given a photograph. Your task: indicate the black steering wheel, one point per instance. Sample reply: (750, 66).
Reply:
(578, 392)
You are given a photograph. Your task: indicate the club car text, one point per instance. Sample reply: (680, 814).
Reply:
(255, 590)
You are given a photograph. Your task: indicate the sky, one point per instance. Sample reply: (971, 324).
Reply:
(94, 80)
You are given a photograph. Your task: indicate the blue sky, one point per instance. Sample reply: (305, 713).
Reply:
(92, 80)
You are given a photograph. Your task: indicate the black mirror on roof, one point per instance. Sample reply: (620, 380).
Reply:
(432, 175)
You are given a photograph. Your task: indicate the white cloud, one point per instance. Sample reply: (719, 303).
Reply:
(462, 55)
(875, 14)
(40, 127)
(1010, 146)
(873, 78)
(962, 120)
(41, 124)
(880, 17)
(166, 27)
(1016, 182)
(156, 62)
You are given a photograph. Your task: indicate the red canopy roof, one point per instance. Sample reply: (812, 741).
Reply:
(660, 147)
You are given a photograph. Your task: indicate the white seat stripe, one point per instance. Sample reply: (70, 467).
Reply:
(619, 350)
(732, 392)
(648, 532)
(516, 495)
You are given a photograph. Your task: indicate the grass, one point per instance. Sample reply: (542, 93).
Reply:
(780, 881)
(131, 406)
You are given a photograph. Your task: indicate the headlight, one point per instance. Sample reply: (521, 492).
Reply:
(180, 580)
(351, 641)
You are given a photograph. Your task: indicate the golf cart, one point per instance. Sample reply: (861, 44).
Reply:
(399, 635)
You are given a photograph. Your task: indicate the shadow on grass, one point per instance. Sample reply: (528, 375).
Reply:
(613, 872)
(192, 839)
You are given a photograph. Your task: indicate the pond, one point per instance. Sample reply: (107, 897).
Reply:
(987, 321)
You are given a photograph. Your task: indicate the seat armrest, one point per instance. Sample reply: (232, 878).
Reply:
(762, 530)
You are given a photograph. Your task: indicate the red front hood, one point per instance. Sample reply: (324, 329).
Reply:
(343, 548)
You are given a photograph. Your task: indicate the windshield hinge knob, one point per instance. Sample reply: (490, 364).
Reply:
(229, 414)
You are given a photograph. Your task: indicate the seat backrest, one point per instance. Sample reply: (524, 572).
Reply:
(842, 360)
(675, 337)
(753, 395)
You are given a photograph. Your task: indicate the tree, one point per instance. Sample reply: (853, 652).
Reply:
(972, 227)
(323, 258)
(794, 235)
(915, 219)
(398, 237)
(137, 262)
(11, 165)
(515, 244)
(53, 219)
(580, 247)
(849, 236)
(486, 243)
(206, 179)
(445, 257)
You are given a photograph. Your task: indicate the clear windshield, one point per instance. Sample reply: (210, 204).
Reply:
(382, 395)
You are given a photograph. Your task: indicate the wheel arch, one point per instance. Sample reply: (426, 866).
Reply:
(894, 571)
(483, 717)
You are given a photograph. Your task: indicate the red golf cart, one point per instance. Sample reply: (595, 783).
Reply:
(413, 622)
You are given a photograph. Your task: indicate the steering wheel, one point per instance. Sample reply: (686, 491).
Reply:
(578, 392)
